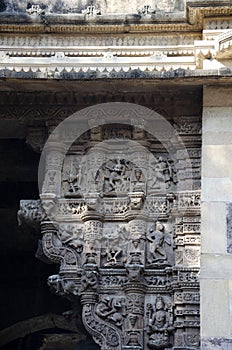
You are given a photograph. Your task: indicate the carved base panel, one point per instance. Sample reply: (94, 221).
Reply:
(137, 279)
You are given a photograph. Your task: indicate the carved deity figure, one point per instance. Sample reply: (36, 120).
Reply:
(72, 237)
(159, 319)
(74, 178)
(114, 176)
(158, 242)
(160, 323)
(112, 309)
(137, 179)
(113, 245)
(89, 281)
(161, 172)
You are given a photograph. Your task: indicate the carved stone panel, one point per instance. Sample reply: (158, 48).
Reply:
(125, 231)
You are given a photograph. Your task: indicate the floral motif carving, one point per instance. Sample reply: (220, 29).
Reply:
(105, 334)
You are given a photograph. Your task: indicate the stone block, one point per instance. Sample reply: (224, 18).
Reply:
(217, 96)
(216, 189)
(217, 119)
(217, 160)
(215, 316)
(213, 235)
(217, 138)
(216, 266)
(230, 305)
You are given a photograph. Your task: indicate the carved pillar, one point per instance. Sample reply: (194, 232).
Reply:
(50, 180)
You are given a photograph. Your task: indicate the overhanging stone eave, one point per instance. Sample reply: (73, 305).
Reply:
(178, 75)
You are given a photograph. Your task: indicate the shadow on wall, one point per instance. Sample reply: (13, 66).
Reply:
(46, 332)
(87, 345)
(2, 6)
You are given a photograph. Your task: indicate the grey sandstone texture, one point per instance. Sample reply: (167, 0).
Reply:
(108, 6)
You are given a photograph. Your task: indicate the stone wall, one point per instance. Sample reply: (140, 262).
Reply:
(105, 6)
(216, 273)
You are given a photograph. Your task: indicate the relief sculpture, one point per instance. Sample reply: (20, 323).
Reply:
(159, 245)
(160, 323)
(127, 242)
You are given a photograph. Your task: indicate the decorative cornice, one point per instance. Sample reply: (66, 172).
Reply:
(90, 74)
(224, 45)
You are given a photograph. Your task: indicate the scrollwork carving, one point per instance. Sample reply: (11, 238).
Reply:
(55, 251)
(105, 334)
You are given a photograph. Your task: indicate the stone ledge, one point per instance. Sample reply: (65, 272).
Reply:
(215, 96)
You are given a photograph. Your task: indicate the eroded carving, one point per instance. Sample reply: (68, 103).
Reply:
(30, 212)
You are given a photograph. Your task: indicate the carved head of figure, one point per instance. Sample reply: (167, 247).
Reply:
(159, 226)
(159, 303)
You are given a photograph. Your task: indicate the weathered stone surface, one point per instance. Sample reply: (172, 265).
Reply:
(216, 189)
(217, 119)
(217, 96)
(144, 270)
(132, 272)
(215, 313)
(213, 239)
(216, 344)
(216, 266)
(109, 6)
(217, 138)
(216, 192)
(217, 161)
